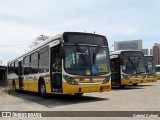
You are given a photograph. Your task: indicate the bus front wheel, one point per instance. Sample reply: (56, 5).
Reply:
(42, 89)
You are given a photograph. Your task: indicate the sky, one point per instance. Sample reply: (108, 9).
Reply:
(22, 21)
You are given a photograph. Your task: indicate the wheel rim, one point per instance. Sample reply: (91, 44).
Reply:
(43, 89)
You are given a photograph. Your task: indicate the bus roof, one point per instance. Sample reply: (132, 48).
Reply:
(157, 65)
(149, 57)
(119, 52)
(47, 41)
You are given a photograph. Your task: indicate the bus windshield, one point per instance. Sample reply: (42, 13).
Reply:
(133, 65)
(128, 66)
(150, 67)
(157, 69)
(86, 60)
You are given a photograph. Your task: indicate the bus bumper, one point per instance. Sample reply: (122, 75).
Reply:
(71, 89)
(151, 79)
(131, 81)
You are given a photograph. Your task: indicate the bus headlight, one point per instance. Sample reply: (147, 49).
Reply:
(125, 77)
(70, 80)
(144, 76)
(106, 80)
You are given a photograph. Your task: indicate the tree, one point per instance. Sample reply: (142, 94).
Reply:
(38, 40)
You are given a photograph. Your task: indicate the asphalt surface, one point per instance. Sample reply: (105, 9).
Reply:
(144, 97)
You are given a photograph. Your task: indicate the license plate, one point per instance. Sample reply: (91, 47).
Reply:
(106, 87)
(102, 69)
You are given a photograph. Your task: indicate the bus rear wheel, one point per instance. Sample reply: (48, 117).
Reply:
(42, 89)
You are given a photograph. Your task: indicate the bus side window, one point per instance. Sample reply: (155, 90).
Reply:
(34, 63)
(26, 65)
(44, 59)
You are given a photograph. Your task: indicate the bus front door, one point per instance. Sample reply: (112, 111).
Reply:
(115, 69)
(20, 77)
(56, 74)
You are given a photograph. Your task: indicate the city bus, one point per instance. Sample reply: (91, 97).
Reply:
(150, 69)
(158, 71)
(127, 67)
(67, 63)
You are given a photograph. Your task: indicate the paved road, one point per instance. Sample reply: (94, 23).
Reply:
(144, 97)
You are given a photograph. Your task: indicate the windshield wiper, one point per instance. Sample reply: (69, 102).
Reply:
(95, 53)
(139, 58)
(97, 49)
(81, 53)
(129, 59)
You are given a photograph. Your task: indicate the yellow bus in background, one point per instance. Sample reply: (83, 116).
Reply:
(158, 71)
(68, 63)
(150, 69)
(127, 67)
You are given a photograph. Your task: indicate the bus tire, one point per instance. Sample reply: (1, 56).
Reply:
(134, 84)
(78, 94)
(42, 89)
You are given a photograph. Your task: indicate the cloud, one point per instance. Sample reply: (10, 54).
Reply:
(20, 36)
(22, 21)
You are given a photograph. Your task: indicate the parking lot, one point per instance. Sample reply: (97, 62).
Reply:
(144, 97)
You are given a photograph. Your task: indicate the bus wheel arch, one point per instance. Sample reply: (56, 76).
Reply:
(42, 87)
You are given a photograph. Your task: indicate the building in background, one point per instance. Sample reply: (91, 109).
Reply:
(145, 51)
(128, 45)
(156, 53)
(151, 51)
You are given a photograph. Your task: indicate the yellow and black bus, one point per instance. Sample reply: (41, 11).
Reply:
(150, 69)
(68, 63)
(158, 71)
(127, 67)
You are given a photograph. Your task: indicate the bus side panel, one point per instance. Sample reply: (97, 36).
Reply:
(32, 85)
(17, 83)
(48, 84)
(26, 84)
(9, 84)
(158, 75)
